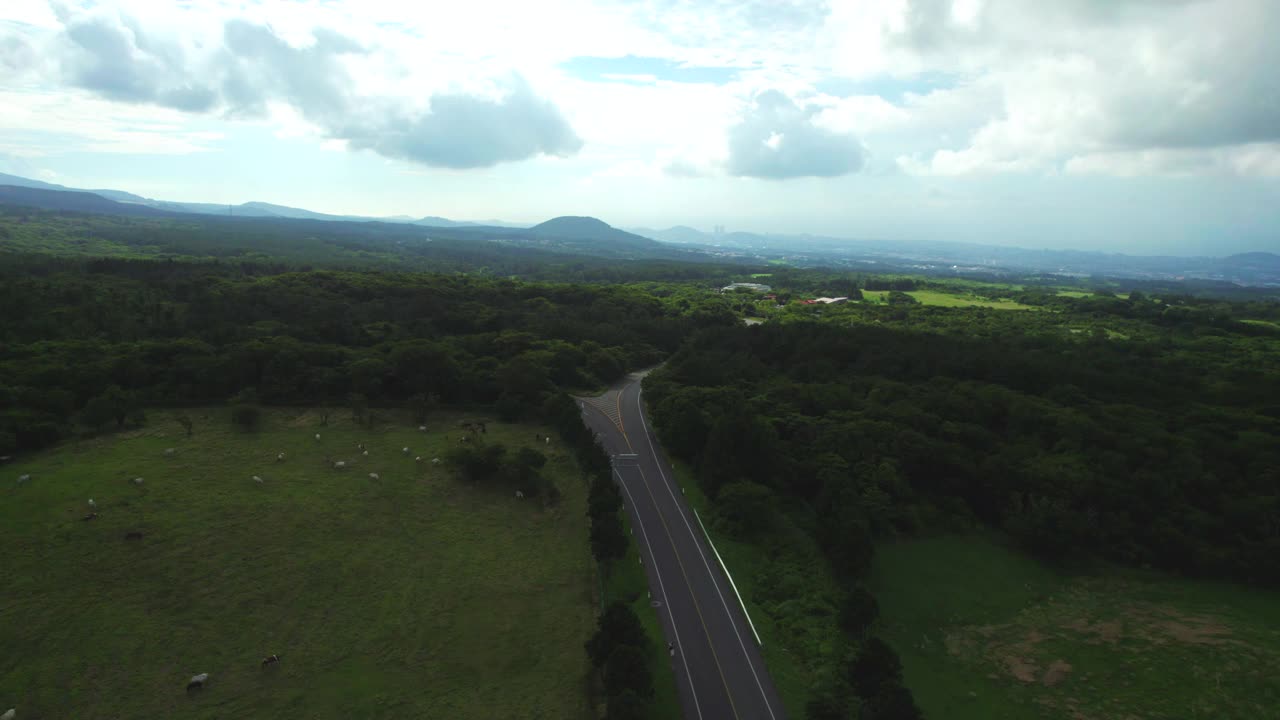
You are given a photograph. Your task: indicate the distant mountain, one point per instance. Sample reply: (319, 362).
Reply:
(432, 221)
(1253, 261)
(592, 230)
(74, 201)
(248, 209)
(295, 213)
(16, 181)
(117, 195)
(677, 234)
(685, 235)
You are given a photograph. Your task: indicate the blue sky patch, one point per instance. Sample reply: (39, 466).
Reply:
(618, 69)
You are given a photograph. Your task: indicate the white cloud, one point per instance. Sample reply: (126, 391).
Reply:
(1096, 86)
(1254, 159)
(777, 138)
(241, 68)
(1133, 86)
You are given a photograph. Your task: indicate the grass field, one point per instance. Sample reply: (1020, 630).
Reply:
(409, 596)
(1263, 323)
(942, 299)
(986, 633)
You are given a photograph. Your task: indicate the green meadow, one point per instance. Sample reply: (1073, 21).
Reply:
(945, 299)
(986, 633)
(410, 595)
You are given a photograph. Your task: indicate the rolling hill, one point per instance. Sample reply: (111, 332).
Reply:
(593, 231)
(255, 209)
(74, 201)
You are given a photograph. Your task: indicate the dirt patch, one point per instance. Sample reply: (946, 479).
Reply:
(1202, 632)
(1108, 632)
(309, 418)
(1160, 625)
(1021, 668)
(959, 644)
(1057, 672)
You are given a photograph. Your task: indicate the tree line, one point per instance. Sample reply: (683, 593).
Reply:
(84, 345)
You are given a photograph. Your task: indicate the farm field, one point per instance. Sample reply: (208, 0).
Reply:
(942, 299)
(413, 595)
(987, 633)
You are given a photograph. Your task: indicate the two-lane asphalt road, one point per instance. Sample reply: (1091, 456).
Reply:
(719, 671)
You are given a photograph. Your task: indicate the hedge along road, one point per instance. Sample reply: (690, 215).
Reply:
(719, 671)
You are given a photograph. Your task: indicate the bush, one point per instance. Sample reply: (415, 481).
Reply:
(874, 667)
(246, 417)
(113, 404)
(858, 611)
(829, 702)
(608, 541)
(744, 509)
(618, 626)
(477, 463)
(627, 705)
(893, 702)
(627, 670)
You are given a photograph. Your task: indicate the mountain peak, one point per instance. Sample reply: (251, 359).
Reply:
(573, 226)
(589, 230)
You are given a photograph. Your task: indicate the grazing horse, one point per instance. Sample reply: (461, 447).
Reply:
(90, 516)
(270, 660)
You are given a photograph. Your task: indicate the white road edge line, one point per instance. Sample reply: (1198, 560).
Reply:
(663, 588)
(644, 426)
(732, 584)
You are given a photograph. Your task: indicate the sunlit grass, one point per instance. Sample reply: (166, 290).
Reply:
(943, 299)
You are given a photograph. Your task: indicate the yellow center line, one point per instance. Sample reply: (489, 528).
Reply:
(623, 427)
(696, 606)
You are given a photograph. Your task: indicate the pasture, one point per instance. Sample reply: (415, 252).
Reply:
(945, 299)
(412, 595)
(986, 633)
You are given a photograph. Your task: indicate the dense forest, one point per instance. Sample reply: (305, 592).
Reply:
(1133, 430)
(139, 333)
(1154, 450)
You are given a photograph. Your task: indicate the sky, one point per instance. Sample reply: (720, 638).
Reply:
(1136, 126)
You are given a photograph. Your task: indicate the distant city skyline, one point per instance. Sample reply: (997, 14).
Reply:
(1133, 126)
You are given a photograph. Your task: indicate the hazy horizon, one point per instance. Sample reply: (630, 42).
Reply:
(1139, 127)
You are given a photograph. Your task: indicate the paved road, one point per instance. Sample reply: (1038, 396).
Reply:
(719, 672)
